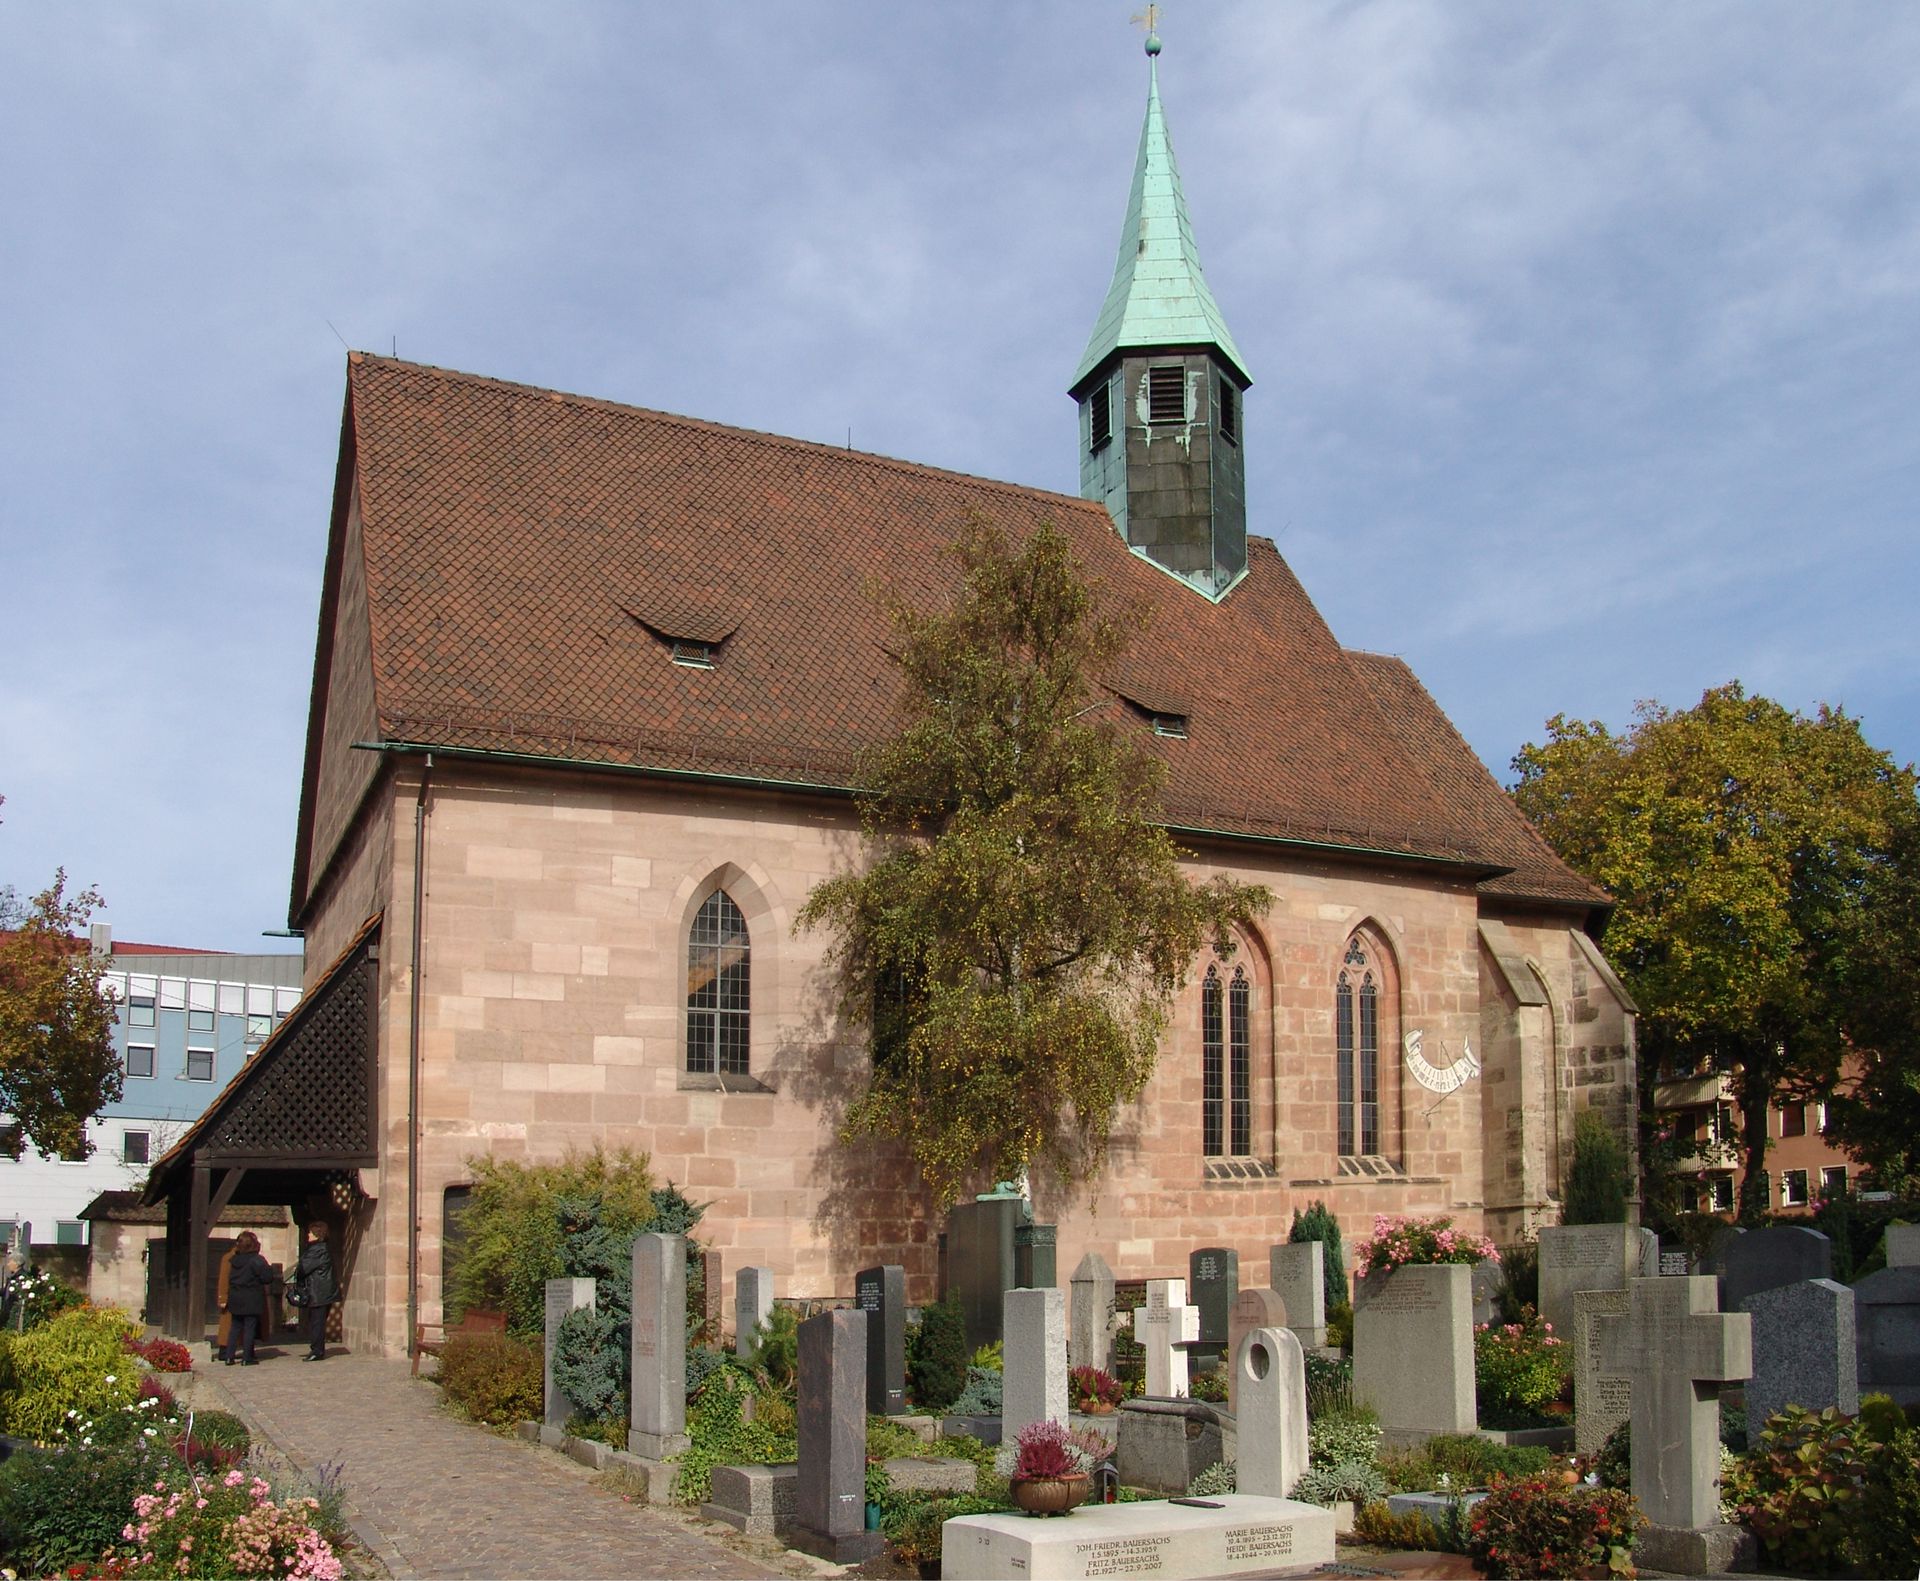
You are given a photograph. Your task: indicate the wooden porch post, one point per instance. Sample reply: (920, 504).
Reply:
(198, 1225)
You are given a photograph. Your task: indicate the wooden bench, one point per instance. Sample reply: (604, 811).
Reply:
(471, 1323)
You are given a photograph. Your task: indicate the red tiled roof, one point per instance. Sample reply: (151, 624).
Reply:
(527, 551)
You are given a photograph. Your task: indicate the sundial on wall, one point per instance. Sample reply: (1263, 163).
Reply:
(1442, 1079)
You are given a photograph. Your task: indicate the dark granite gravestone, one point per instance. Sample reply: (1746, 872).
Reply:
(1750, 1261)
(1887, 1333)
(1804, 1351)
(980, 1267)
(1213, 1280)
(830, 1507)
(1034, 1265)
(881, 1293)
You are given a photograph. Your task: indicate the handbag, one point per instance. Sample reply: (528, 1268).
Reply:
(297, 1293)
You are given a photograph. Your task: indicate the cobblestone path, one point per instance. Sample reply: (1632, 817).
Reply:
(436, 1497)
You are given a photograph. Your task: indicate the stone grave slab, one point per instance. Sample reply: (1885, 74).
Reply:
(1213, 1280)
(752, 1306)
(1677, 1349)
(1601, 1400)
(1805, 1351)
(1887, 1333)
(563, 1296)
(1036, 1256)
(1161, 1326)
(1590, 1257)
(1413, 1352)
(830, 1506)
(1749, 1261)
(1271, 1423)
(657, 1424)
(881, 1293)
(980, 1266)
(1903, 1245)
(1165, 1444)
(932, 1474)
(1092, 1313)
(1298, 1270)
(1252, 1309)
(1244, 1534)
(757, 1500)
(1034, 1360)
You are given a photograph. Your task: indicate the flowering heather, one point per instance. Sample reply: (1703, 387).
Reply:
(1398, 1243)
(231, 1526)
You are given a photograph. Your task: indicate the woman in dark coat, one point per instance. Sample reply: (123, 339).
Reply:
(248, 1277)
(318, 1289)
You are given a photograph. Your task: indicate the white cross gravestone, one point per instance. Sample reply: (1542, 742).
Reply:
(1161, 1326)
(1676, 1348)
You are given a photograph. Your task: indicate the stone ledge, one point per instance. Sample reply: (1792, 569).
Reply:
(1234, 1534)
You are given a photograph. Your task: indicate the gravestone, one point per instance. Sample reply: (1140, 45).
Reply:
(1092, 1313)
(1033, 1385)
(1903, 1245)
(1804, 1351)
(1270, 1375)
(1213, 1280)
(1036, 1256)
(1413, 1351)
(881, 1293)
(830, 1501)
(658, 1425)
(713, 1299)
(1677, 1349)
(563, 1296)
(1886, 1316)
(1228, 1535)
(1252, 1309)
(1590, 1257)
(752, 1306)
(1601, 1400)
(1749, 1261)
(1162, 1445)
(1163, 1324)
(1298, 1270)
(1673, 1265)
(1484, 1285)
(980, 1268)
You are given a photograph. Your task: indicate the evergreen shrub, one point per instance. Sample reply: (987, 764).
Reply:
(982, 1395)
(1357, 1482)
(937, 1356)
(1319, 1224)
(1597, 1178)
(1334, 1438)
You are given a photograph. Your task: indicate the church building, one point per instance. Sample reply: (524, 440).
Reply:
(589, 688)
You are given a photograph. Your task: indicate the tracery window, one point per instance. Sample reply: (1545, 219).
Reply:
(1356, 1021)
(1226, 1064)
(718, 997)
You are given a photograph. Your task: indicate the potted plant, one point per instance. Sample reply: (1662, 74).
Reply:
(1094, 1392)
(1049, 1470)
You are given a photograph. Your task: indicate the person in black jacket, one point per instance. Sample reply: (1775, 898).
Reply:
(248, 1277)
(318, 1288)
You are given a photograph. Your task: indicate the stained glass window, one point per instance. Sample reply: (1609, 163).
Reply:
(718, 1000)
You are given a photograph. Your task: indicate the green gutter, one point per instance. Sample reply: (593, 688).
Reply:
(1481, 870)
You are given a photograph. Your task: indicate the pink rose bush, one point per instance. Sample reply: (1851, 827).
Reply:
(228, 1526)
(1396, 1243)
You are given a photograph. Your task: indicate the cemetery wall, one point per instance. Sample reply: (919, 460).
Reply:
(553, 993)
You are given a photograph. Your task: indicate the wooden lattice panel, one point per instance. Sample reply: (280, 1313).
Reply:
(310, 1095)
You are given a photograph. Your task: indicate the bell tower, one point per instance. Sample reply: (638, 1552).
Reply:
(1160, 385)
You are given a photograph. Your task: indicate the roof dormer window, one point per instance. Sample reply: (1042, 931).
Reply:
(693, 655)
(1172, 726)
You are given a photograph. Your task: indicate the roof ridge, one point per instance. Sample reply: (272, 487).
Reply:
(706, 425)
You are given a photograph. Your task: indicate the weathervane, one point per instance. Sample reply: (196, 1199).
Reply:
(1150, 20)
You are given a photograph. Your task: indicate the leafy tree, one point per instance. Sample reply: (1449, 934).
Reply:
(1021, 922)
(1597, 1179)
(1740, 841)
(1877, 1116)
(58, 1068)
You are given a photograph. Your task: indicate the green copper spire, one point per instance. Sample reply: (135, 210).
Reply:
(1159, 296)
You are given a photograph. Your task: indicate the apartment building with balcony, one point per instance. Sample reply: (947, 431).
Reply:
(1804, 1166)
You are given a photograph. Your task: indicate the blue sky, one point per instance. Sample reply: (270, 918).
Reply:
(1585, 338)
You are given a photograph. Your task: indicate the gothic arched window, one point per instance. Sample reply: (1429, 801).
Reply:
(1356, 1022)
(718, 996)
(1226, 1065)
